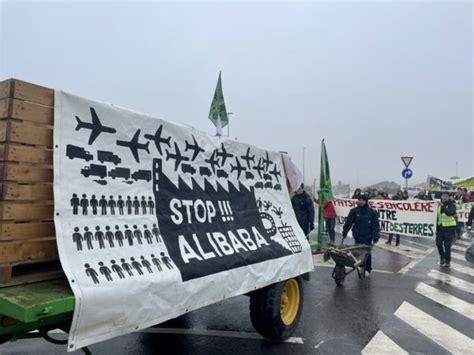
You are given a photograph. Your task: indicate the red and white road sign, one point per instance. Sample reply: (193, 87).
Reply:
(407, 161)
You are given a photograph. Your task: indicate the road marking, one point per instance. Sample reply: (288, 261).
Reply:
(218, 333)
(463, 242)
(410, 241)
(319, 344)
(461, 268)
(409, 266)
(460, 248)
(452, 281)
(319, 261)
(439, 332)
(458, 256)
(382, 344)
(407, 251)
(464, 308)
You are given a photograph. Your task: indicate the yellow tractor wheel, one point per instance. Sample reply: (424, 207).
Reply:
(275, 310)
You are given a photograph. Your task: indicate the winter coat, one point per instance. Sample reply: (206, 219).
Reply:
(470, 219)
(304, 211)
(329, 211)
(364, 222)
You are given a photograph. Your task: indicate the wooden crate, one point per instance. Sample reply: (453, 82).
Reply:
(27, 238)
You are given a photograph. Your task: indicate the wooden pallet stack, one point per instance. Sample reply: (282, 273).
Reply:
(28, 249)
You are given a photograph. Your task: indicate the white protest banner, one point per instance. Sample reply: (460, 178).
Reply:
(413, 218)
(462, 210)
(155, 219)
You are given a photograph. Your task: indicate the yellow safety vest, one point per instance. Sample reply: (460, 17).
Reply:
(444, 220)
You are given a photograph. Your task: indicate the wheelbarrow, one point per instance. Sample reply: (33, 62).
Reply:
(351, 257)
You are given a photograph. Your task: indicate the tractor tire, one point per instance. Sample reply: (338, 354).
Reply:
(339, 275)
(275, 310)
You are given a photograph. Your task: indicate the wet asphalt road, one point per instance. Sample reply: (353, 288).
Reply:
(335, 320)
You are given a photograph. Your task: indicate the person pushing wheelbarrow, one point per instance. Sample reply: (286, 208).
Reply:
(364, 222)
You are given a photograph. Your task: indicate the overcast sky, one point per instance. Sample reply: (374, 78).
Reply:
(377, 80)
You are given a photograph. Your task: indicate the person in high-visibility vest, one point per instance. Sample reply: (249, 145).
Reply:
(446, 230)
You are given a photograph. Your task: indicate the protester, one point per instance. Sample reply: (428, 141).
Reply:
(405, 195)
(470, 219)
(304, 210)
(422, 195)
(396, 197)
(446, 228)
(357, 194)
(459, 194)
(329, 214)
(466, 197)
(364, 222)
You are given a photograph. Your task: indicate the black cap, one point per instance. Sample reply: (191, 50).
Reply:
(363, 197)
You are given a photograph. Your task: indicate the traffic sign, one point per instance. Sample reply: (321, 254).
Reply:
(407, 161)
(407, 173)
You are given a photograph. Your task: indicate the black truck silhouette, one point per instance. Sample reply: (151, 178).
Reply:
(95, 170)
(73, 151)
(120, 173)
(103, 155)
(142, 175)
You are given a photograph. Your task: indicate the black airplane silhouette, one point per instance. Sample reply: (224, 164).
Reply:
(158, 139)
(212, 161)
(224, 155)
(96, 127)
(276, 173)
(177, 156)
(195, 147)
(267, 162)
(259, 167)
(237, 167)
(248, 158)
(134, 145)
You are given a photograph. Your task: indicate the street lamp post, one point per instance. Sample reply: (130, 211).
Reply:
(228, 124)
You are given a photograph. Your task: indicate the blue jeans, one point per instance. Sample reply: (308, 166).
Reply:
(330, 225)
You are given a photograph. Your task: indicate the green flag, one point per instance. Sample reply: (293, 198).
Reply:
(325, 191)
(218, 113)
(325, 176)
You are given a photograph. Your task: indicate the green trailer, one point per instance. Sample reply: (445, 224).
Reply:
(32, 310)
(41, 307)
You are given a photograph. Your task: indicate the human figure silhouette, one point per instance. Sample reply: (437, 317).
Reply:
(91, 273)
(137, 266)
(143, 203)
(104, 270)
(103, 205)
(112, 204)
(94, 203)
(117, 269)
(88, 236)
(146, 264)
(75, 204)
(128, 203)
(77, 238)
(157, 262)
(148, 235)
(136, 205)
(151, 205)
(137, 234)
(156, 233)
(120, 204)
(99, 236)
(128, 235)
(109, 235)
(166, 260)
(127, 267)
(84, 204)
(119, 236)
